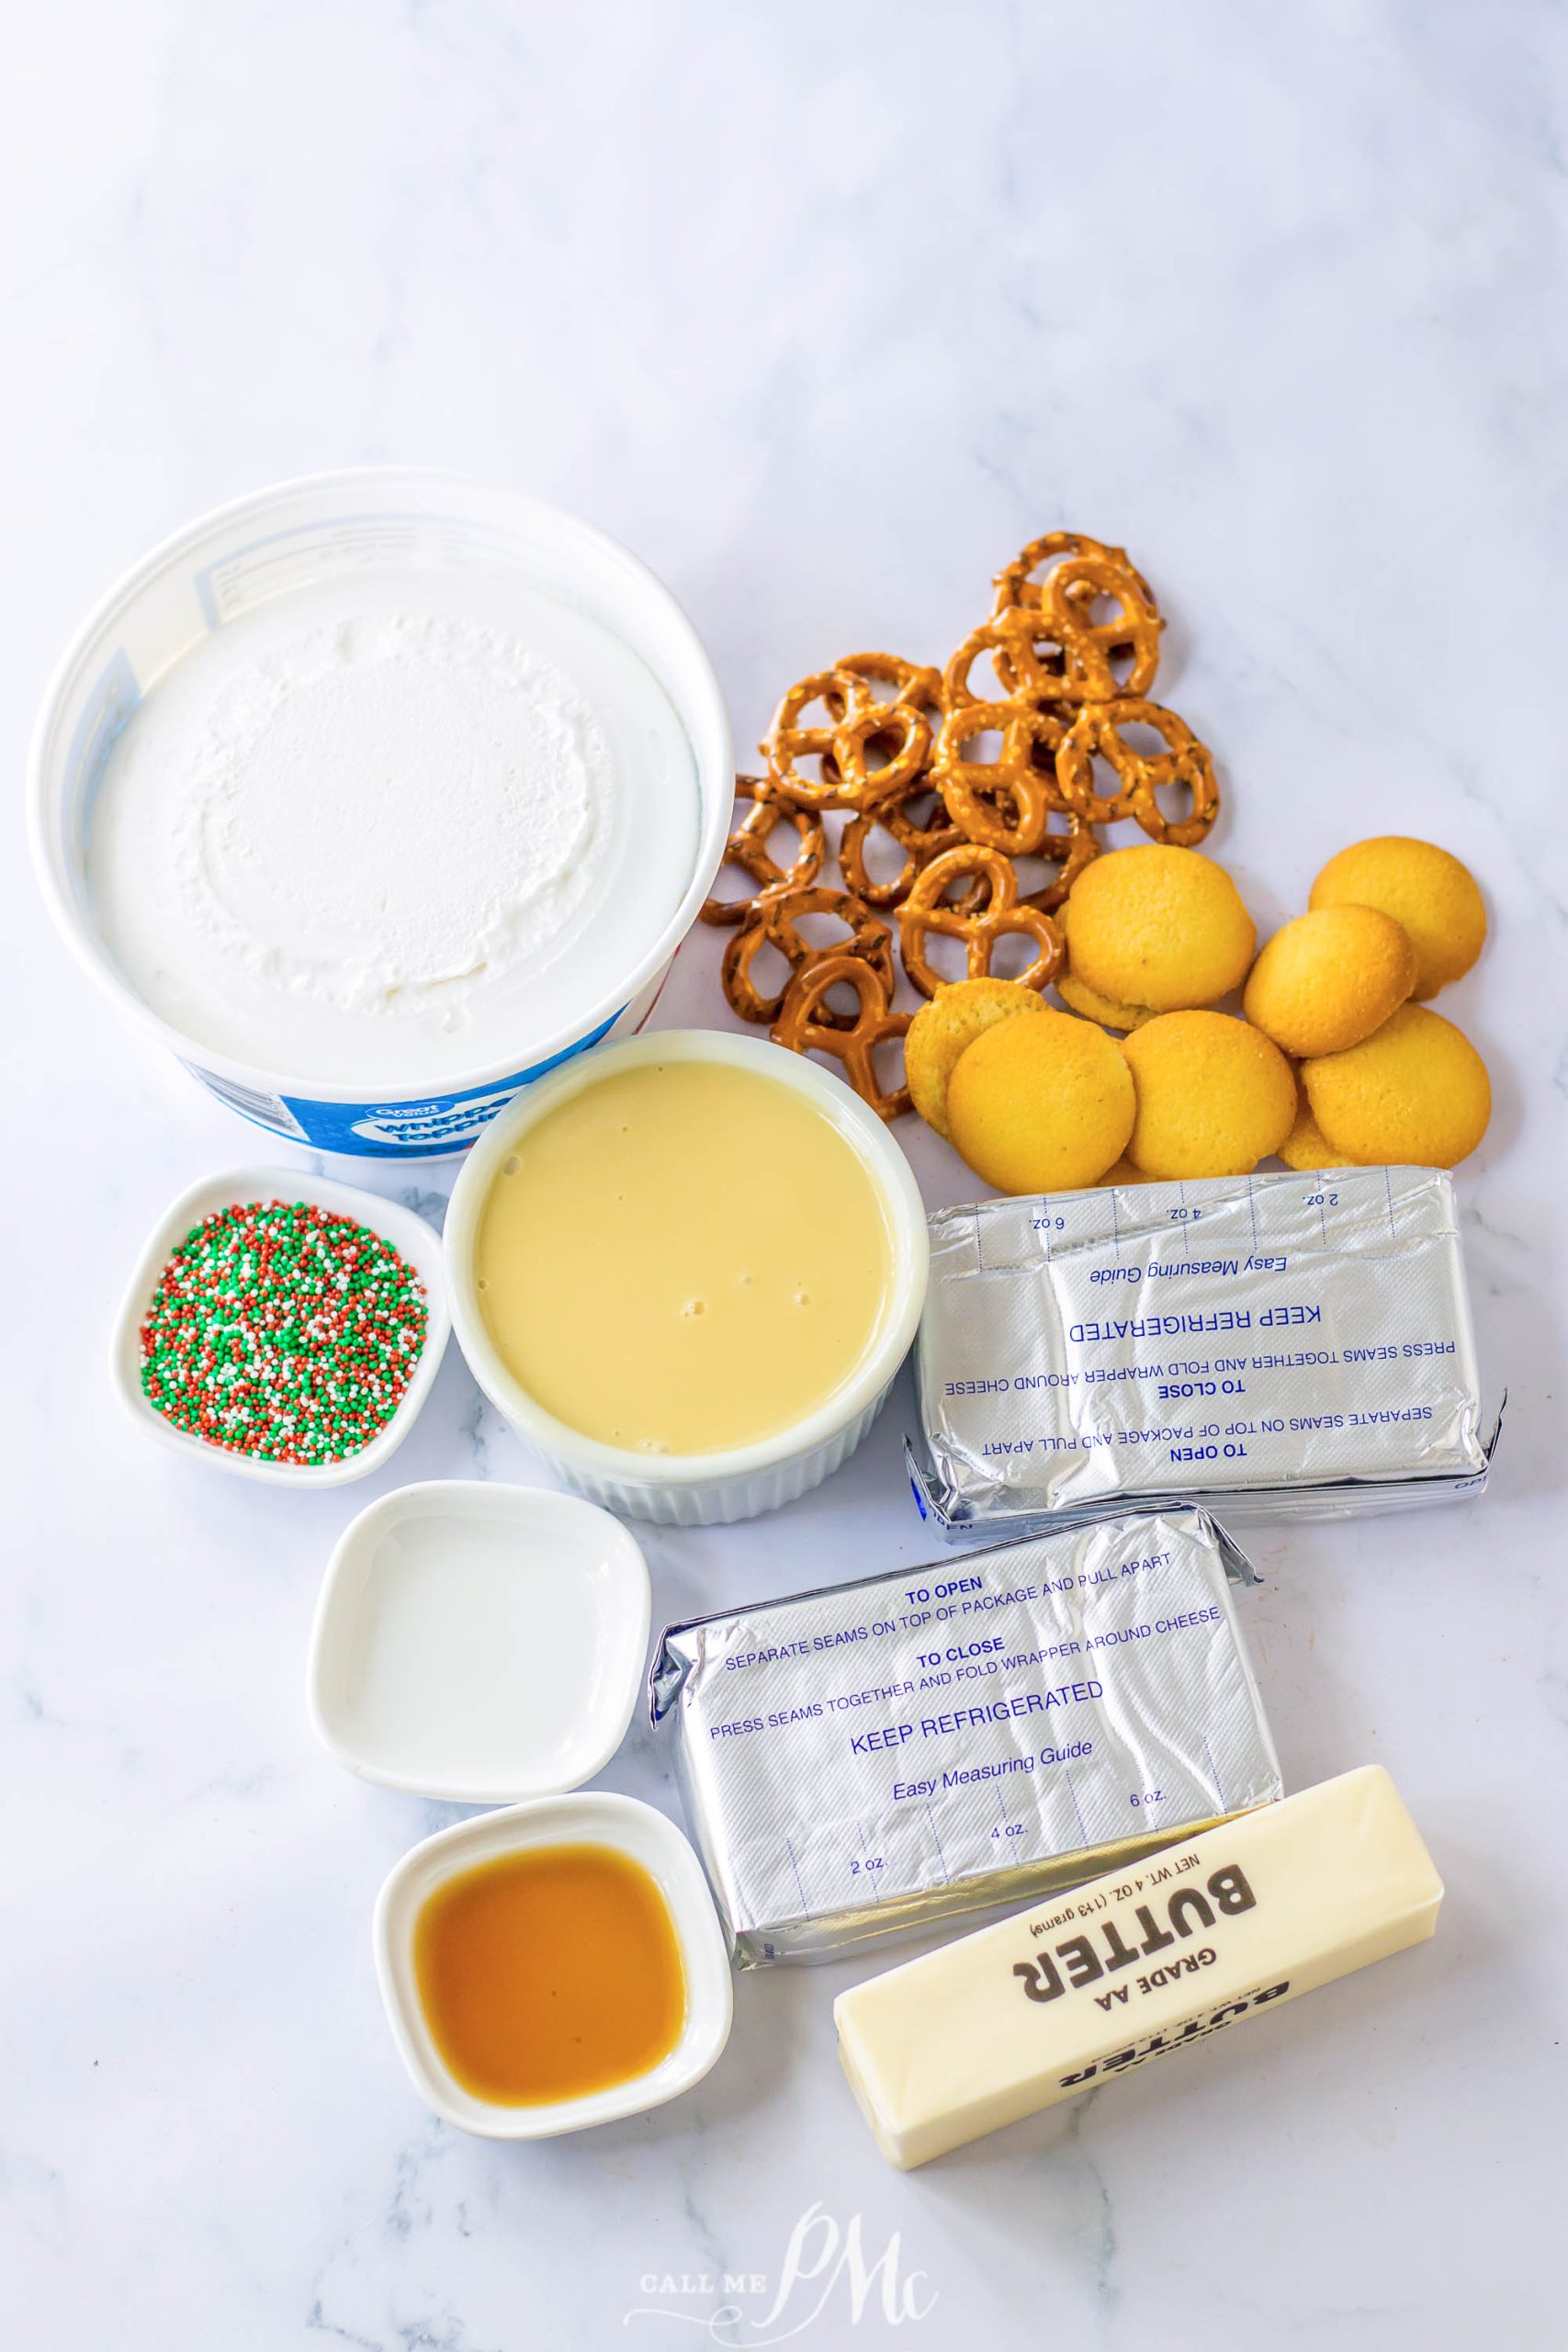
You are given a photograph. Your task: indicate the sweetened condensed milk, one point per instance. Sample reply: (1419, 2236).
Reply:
(682, 1257)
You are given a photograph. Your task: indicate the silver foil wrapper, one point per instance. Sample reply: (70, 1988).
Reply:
(1295, 1344)
(860, 1761)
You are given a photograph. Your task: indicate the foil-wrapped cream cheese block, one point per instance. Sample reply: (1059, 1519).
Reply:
(1277, 1343)
(861, 1761)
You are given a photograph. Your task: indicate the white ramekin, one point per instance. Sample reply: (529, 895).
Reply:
(700, 1489)
(415, 1242)
(288, 536)
(595, 1817)
(556, 1546)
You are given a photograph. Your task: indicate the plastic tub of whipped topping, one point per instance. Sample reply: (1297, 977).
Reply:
(377, 794)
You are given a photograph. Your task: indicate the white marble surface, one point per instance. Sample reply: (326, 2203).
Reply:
(826, 310)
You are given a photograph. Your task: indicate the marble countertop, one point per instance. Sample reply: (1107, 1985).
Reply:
(826, 312)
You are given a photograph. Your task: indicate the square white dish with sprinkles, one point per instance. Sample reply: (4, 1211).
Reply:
(282, 1326)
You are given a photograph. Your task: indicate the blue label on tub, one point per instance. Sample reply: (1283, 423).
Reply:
(432, 1126)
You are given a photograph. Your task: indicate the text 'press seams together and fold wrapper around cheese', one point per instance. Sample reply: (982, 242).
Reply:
(859, 1762)
(1284, 1345)
(1136, 1965)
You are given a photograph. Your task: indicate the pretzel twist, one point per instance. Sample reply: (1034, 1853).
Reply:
(1128, 638)
(1097, 731)
(803, 1025)
(1016, 585)
(855, 720)
(1003, 803)
(903, 736)
(927, 909)
(918, 843)
(1080, 571)
(747, 847)
(1032, 661)
(912, 682)
(774, 923)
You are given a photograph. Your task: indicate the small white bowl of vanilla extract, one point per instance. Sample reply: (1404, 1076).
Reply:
(553, 1965)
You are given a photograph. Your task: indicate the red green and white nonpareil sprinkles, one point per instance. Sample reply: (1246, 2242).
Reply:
(280, 1330)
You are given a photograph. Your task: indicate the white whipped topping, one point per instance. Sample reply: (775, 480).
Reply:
(393, 827)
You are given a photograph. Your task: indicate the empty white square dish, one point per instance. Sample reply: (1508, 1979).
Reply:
(480, 1643)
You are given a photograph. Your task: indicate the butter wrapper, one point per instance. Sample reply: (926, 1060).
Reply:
(860, 1761)
(1295, 1344)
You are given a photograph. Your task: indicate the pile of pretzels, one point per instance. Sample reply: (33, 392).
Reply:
(1062, 733)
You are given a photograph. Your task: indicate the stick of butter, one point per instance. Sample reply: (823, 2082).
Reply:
(1145, 1960)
